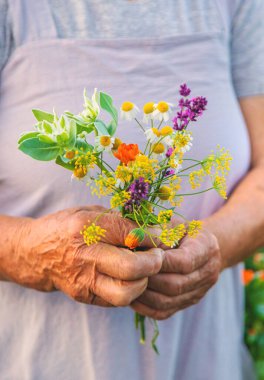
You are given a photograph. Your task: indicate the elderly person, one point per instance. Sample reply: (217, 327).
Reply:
(138, 50)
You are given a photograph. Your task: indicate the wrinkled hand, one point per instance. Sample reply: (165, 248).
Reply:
(186, 275)
(51, 255)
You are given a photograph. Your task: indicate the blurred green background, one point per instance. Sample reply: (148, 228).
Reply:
(253, 277)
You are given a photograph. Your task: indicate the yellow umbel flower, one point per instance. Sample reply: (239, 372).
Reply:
(220, 185)
(194, 227)
(218, 162)
(172, 236)
(92, 234)
(120, 198)
(103, 186)
(183, 141)
(144, 167)
(165, 216)
(123, 173)
(196, 178)
(83, 163)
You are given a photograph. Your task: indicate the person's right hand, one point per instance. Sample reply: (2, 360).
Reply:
(50, 255)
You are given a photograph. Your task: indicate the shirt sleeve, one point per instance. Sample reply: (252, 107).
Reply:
(247, 48)
(5, 34)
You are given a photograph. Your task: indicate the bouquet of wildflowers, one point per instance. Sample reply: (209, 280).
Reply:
(144, 185)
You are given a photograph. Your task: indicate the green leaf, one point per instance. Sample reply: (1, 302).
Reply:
(81, 126)
(72, 134)
(112, 128)
(46, 139)
(106, 102)
(39, 150)
(66, 165)
(42, 115)
(83, 145)
(27, 135)
(101, 128)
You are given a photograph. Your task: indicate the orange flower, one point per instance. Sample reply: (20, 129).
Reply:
(248, 275)
(127, 152)
(134, 238)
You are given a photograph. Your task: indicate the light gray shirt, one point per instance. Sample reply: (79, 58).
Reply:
(96, 19)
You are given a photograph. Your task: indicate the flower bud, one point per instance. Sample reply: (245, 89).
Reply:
(134, 238)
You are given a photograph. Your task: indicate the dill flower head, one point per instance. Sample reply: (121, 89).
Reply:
(83, 163)
(144, 167)
(194, 227)
(196, 177)
(182, 141)
(172, 236)
(103, 186)
(165, 216)
(120, 198)
(219, 185)
(123, 173)
(92, 234)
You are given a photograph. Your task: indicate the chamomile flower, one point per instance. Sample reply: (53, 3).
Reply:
(162, 111)
(104, 143)
(152, 134)
(128, 111)
(148, 110)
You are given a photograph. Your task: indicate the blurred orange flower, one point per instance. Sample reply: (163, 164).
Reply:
(248, 275)
(127, 152)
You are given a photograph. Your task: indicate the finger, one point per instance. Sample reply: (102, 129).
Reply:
(191, 255)
(161, 310)
(162, 302)
(173, 284)
(121, 263)
(118, 292)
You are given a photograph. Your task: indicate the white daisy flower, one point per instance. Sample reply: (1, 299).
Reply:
(152, 134)
(104, 143)
(148, 110)
(128, 111)
(162, 111)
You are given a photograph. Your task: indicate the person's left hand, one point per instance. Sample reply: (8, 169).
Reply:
(186, 275)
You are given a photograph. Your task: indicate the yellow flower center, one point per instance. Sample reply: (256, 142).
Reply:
(127, 106)
(165, 131)
(148, 108)
(163, 107)
(164, 193)
(158, 148)
(105, 140)
(156, 131)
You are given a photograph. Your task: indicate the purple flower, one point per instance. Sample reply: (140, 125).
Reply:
(184, 90)
(169, 172)
(169, 152)
(139, 190)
